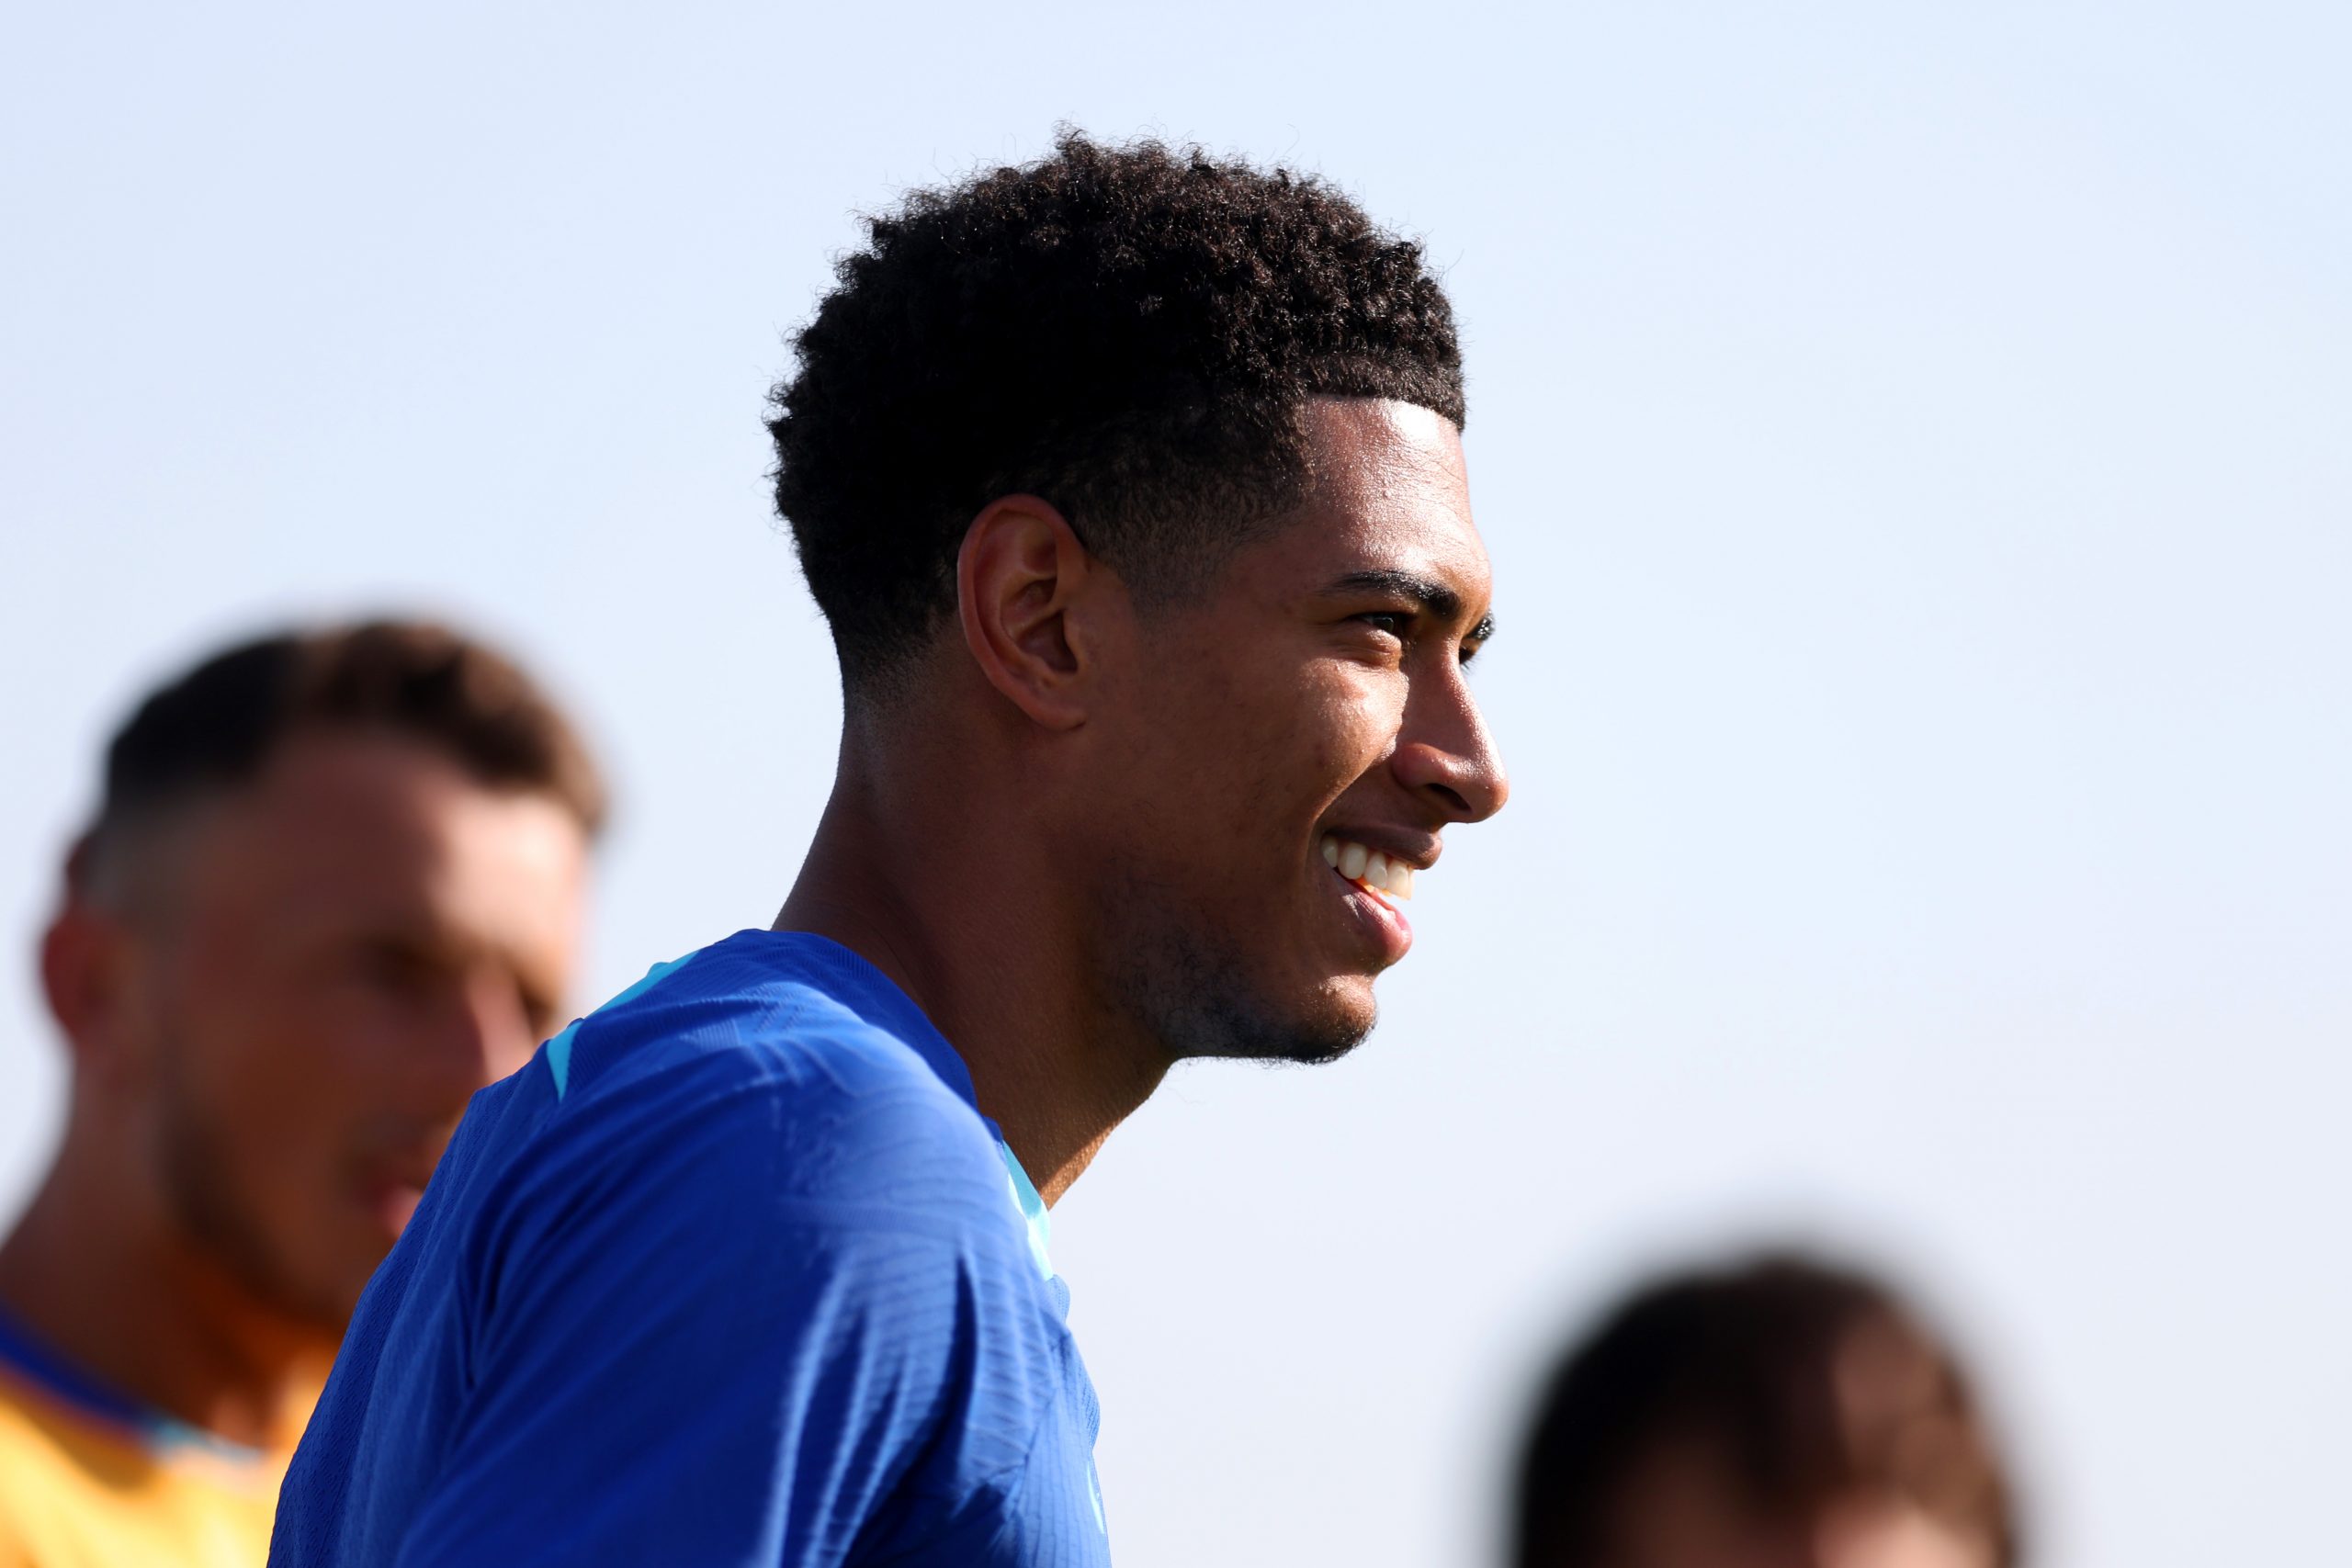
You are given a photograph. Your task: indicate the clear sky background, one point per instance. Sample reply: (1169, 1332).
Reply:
(1913, 444)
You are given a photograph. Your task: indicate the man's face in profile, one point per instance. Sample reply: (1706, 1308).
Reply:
(328, 962)
(1306, 712)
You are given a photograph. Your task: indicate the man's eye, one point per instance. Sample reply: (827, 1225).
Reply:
(394, 966)
(1392, 622)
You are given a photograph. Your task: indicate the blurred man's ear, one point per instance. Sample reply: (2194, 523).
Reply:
(87, 961)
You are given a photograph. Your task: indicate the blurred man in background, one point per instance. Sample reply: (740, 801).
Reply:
(333, 888)
(1779, 1415)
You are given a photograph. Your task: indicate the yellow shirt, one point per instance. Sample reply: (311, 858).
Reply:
(90, 1480)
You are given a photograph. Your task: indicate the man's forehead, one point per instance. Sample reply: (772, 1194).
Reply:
(370, 815)
(1378, 444)
(1391, 499)
(355, 786)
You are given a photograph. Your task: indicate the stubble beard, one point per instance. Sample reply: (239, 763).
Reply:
(1193, 990)
(201, 1191)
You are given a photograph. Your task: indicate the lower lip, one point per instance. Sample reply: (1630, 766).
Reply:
(1383, 920)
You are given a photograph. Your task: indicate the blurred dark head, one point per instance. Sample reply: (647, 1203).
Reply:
(333, 888)
(1781, 1414)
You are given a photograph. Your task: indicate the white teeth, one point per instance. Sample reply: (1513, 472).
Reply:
(1358, 862)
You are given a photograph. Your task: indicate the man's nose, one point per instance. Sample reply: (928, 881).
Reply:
(1448, 757)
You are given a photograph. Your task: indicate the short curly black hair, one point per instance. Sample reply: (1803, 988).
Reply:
(1129, 332)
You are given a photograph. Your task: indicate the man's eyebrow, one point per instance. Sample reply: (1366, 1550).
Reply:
(1432, 595)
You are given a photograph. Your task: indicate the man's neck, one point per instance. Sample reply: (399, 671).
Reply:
(912, 873)
(150, 1315)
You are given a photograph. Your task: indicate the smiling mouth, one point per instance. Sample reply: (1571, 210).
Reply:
(1384, 878)
(389, 1187)
(391, 1202)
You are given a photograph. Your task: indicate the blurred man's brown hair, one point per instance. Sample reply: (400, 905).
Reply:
(215, 726)
(1762, 1413)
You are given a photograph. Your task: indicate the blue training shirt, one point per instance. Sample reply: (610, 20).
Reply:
(733, 1272)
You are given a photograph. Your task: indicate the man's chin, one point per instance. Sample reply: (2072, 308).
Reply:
(325, 1290)
(1206, 991)
(1306, 1051)
(330, 1305)
(1337, 1020)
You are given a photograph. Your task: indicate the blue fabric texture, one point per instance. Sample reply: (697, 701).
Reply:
(738, 1275)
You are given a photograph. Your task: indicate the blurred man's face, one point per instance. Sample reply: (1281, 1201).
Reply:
(1311, 705)
(332, 961)
(1681, 1509)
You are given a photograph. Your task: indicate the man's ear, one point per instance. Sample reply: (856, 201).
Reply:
(85, 965)
(1024, 585)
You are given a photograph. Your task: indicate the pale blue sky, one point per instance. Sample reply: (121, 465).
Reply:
(1912, 444)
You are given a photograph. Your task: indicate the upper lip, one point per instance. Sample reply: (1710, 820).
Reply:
(1418, 851)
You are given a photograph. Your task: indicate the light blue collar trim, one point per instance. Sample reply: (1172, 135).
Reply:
(558, 1050)
(1032, 1207)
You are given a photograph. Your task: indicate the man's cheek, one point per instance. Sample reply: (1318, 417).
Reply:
(281, 1078)
(282, 1178)
(298, 1112)
(1350, 729)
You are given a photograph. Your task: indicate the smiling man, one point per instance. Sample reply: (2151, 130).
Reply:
(1131, 486)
